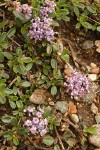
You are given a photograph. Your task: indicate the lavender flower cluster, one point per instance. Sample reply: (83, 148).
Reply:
(48, 7)
(77, 84)
(36, 124)
(25, 9)
(41, 27)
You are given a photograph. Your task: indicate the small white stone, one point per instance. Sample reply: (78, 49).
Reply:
(94, 108)
(51, 103)
(97, 118)
(93, 65)
(74, 118)
(92, 77)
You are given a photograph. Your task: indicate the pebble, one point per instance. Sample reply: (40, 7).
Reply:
(91, 95)
(92, 77)
(40, 96)
(95, 139)
(97, 42)
(97, 1)
(72, 141)
(94, 108)
(62, 106)
(74, 118)
(95, 70)
(51, 103)
(88, 44)
(93, 65)
(97, 118)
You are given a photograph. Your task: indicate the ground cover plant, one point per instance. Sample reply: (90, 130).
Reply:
(49, 74)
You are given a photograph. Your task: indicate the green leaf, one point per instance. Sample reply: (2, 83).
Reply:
(48, 140)
(55, 23)
(65, 18)
(6, 119)
(91, 130)
(22, 131)
(8, 91)
(26, 60)
(76, 11)
(3, 23)
(49, 49)
(25, 84)
(19, 51)
(78, 25)
(14, 121)
(15, 141)
(47, 112)
(8, 55)
(18, 79)
(3, 100)
(55, 47)
(65, 56)
(29, 66)
(19, 104)
(80, 5)
(87, 25)
(8, 134)
(12, 104)
(54, 90)
(11, 32)
(3, 37)
(56, 147)
(54, 63)
(1, 56)
(91, 9)
(19, 15)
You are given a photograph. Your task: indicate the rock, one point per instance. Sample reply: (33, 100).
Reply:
(97, 44)
(95, 139)
(97, 118)
(92, 77)
(95, 70)
(74, 118)
(97, 1)
(51, 103)
(91, 95)
(62, 106)
(40, 96)
(72, 141)
(94, 108)
(92, 65)
(68, 72)
(88, 44)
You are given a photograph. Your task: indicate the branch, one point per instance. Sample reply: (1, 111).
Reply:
(36, 146)
(60, 141)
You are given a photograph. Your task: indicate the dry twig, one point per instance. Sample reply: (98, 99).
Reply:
(3, 4)
(75, 126)
(36, 146)
(60, 141)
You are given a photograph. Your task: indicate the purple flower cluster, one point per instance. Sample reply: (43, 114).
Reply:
(36, 124)
(41, 29)
(48, 7)
(77, 84)
(25, 9)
